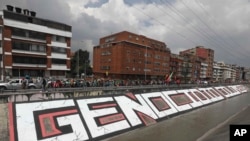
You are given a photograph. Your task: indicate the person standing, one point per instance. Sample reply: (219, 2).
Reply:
(23, 83)
(44, 84)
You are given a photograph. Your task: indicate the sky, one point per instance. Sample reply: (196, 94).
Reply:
(221, 25)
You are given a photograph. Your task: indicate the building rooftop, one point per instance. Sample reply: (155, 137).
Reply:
(30, 17)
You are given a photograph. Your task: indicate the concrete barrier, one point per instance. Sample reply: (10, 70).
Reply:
(100, 116)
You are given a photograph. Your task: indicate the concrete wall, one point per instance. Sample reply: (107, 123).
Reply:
(99, 117)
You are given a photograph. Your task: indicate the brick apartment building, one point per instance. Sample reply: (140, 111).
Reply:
(191, 68)
(176, 65)
(127, 55)
(207, 63)
(32, 46)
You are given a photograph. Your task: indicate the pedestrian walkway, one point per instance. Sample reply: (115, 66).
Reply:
(4, 132)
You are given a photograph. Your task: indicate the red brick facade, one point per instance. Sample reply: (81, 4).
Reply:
(28, 50)
(206, 54)
(130, 56)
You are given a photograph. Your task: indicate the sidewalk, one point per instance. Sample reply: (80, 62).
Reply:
(4, 132)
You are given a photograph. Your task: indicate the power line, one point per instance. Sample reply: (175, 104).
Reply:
(224, 32)
(181, 35)
(211, 40)
(211, 29)
(203, 33)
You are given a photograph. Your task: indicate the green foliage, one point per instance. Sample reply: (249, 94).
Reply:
(84, 63)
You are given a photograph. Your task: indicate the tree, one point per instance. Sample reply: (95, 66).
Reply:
(84, 63)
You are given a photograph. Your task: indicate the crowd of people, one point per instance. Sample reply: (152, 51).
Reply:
(103, 82)
(99, 82)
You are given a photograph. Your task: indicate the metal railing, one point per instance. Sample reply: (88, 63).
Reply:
(64, 93)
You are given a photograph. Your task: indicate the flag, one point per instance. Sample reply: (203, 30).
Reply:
(168, 77)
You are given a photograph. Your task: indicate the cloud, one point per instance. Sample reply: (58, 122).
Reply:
(95, 3)
(182, 24)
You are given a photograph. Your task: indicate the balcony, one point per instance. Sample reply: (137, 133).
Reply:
(204, 64)
(202, 76)
(203, 69)
(58, 55)
(58, 67)
(28, 52)
(29, 65)
(28, 39)
(58, 44)
(28, 48)
(23, 34)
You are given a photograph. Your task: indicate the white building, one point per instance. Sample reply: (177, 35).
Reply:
(203, 70)
(217, 72)
(33, 46)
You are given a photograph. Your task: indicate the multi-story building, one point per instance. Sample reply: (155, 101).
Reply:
(217, 72)
(33, 46)
(203, 71)
(176, 63)
(208, 56)
(239, 74)
(246, 74)
(227, 73)
(127, 55)
(193, 67)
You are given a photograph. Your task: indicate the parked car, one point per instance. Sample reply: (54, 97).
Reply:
(15, 84)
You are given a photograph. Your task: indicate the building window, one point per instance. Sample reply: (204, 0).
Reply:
(106, 53)
(59, 61)
(110, 39)
(58, 50)
(28, 60)
(157, 63)
(58, 38)
(157, 57)
(28, 46)
(57, 73)
(105, 67)
(28, 34)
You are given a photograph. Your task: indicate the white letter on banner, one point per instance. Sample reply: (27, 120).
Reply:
(90, 115)
(129, 106)
(26, 123)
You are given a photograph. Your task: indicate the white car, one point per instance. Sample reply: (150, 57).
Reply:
(15, 84)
